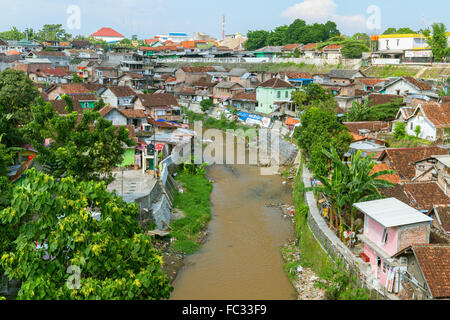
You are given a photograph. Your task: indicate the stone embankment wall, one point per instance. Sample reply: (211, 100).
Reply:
(157, 205)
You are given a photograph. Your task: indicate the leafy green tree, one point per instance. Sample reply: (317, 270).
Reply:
(76, 78)
(17, 93)
(400, 130)
(321, 130)
(437, 40)
(417, 131)
(358, 111)
(13, 34)
(256, 39)
(114, 259)
(278, 37)
(399, 31)
(364, 37)
(206, 104)
(353, 49)
(52, 32)
(313, 95)
(85, 146)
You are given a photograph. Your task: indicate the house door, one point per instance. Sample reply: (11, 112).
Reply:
(150, 164)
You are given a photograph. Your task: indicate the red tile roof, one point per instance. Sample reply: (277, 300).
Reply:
(309, 46)
(198, 69)
(130, 113)
(439, 115)
(378, 98)
(107, 32)
(49, 53)
(122, 91)
(434, 261)
(421, 196)
(394, 178)
(419, 84)
(296, 75)
(444, 216)
(291, 46)
(158, 99)
(332, 47)
(275, 83)
(370, 81)
(400, 159)
(372, 126)
(243, 96)
(54, 72)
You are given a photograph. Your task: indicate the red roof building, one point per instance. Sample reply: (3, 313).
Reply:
(108, 34)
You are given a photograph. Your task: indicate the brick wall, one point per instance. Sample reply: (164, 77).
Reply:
(412, 235)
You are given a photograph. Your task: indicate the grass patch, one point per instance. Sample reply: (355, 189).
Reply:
(407, 142)
(290, 267)
(186, 246)
(391, 71)
(196, 205)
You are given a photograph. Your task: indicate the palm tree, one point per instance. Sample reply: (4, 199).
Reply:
(349, 184)
(358, 111)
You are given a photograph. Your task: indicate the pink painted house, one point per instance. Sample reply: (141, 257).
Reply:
(389, 227)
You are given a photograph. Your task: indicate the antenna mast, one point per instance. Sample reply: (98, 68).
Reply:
(223, 28)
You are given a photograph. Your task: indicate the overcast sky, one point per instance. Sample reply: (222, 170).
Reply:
(147, 18)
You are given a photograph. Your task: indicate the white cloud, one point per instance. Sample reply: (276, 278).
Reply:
(323, 10)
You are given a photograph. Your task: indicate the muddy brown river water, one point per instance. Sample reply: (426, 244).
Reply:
(241, 259)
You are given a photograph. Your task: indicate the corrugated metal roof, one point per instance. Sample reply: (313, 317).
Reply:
(444, 159)
(391, 212)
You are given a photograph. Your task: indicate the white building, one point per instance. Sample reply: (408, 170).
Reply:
(108, 34)
(176, 37)
(403, 47)
(433, 120)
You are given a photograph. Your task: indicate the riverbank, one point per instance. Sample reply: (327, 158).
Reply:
(192, 211)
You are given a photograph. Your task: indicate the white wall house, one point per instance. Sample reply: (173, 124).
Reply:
(114, 115)
(428, 130)
(433, 120)
(405, 86)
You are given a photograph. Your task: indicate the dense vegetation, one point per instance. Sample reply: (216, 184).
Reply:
(365, 112)
(48, 234)
(195, 204)
(297, 32)
(59, 237)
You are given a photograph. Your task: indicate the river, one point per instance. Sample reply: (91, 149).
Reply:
(241, 259)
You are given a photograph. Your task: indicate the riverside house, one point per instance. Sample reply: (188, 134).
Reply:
(273, 93)
(390, 226)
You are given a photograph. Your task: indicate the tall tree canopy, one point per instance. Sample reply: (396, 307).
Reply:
(320, 130)
(297, 32)
(64, 252)
(17, 93)
(399, 31)
(437, 40)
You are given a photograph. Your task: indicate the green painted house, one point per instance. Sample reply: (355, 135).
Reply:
(271, 93)
(268, 52)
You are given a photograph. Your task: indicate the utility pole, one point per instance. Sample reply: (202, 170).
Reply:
(223, 28)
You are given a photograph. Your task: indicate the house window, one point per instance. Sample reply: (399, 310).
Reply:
(385, 235)
(287, 94)
(278, 94)
(412, 126)
(161, 113)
